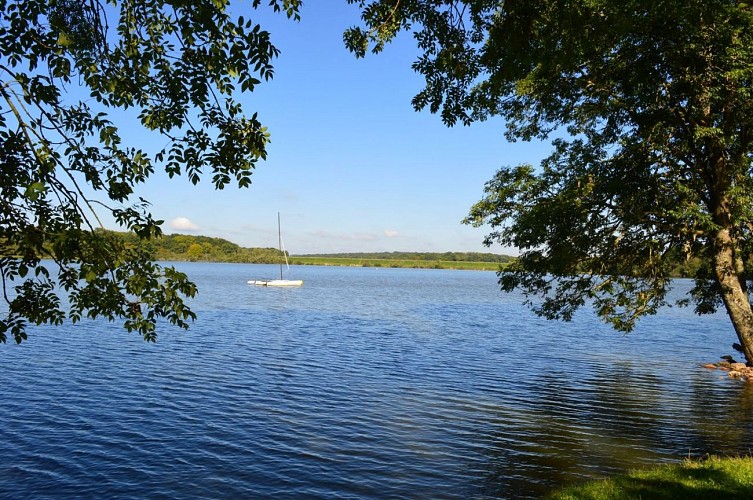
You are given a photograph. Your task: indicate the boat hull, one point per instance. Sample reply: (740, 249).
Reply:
(278, 283)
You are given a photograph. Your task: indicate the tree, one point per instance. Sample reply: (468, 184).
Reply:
(650, 107)
(194, 252)
(179, 64)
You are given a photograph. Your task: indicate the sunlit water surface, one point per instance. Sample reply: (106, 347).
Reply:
(364, 383)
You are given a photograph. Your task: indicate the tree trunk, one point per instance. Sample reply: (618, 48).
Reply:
(734, 294)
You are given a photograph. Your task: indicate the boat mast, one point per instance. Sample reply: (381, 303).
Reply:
(279, 240)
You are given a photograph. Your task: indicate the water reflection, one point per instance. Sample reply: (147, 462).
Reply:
(618, 417)
(363, 383)
(721, 411)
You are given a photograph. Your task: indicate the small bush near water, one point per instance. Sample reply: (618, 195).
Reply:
(713, 477)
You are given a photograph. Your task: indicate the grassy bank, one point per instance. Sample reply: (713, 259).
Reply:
(714, 477)
(403, 263)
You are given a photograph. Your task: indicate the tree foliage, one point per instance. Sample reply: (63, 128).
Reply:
(183, 247)
(426, 256)
(650, 109)
(176, 67)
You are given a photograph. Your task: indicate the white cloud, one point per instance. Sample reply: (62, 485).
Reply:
(183, 224)
(391, 233)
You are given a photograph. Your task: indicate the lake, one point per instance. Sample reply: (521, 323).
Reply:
(363, 383)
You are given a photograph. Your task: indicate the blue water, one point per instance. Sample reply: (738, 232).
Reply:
(364, 383)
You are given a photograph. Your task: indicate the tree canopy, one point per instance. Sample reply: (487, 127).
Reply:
(177, 66)
(649, 106)
(194, 248)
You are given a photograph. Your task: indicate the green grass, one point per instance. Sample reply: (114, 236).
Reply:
(713, 477)
(419, 264)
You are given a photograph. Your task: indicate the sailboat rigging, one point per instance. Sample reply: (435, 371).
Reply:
(281, 281)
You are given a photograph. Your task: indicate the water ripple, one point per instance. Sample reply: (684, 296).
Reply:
(362, 384)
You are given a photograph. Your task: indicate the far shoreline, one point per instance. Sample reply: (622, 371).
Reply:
(395, 263)
(375, 263)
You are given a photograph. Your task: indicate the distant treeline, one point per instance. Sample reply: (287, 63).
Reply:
(430, 256)
(182, 247)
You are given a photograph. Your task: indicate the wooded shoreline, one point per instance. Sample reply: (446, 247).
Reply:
(190, 248)
(195, 248)
(397, 262)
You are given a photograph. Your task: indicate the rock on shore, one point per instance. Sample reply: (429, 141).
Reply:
(734, 370)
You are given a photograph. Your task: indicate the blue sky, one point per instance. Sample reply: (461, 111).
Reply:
(351, 167)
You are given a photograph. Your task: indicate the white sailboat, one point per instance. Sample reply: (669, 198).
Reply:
(281, 281)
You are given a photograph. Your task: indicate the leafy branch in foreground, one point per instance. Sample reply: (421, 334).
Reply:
(652, 104)
(176, 67)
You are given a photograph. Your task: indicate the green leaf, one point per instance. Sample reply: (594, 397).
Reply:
(34, 191)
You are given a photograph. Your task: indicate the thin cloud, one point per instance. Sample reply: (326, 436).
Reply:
(344, 237)
(183, 224)
(391, 233)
